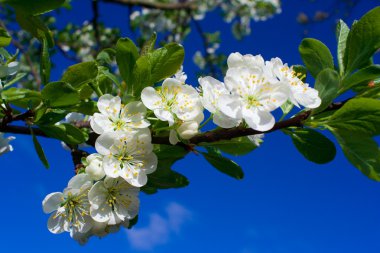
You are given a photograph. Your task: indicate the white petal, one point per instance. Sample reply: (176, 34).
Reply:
(224, 121)
(111, 167)
(164, 115)
(109, 105)
(97, 195)
(231, 106)
(52, 202)
(173, 138)
(258, 119)
(101, 214)
(100, 123)
(150, 98)
(56, 223)
(79, 182)
(104, 143)
(150, 163)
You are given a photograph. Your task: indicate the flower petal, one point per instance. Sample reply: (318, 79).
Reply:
(52, 202)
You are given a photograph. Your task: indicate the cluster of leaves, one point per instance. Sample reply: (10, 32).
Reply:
(356, 123)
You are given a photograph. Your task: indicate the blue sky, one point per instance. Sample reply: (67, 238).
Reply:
(284, 204)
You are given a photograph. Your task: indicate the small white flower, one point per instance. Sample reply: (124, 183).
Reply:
(173, 99)
(4, 144)
(95, 166)
(301, 93)
(212, 89)
(113, 201)
(70, 208)
(254, 94)
(114, 116)
(126, 156)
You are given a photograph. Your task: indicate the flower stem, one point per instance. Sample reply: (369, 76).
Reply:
(205, 123)
(96, 89)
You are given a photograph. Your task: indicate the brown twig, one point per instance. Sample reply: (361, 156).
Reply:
(186, 5)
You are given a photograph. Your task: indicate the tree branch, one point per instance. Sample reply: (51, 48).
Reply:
(186, 5)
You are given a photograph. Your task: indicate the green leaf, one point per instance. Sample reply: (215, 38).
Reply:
(362, 151)
(360, 115)
(34, 7)
(223, 164)
(80, 74)
(313, 145)
(17, 78)
(106, 56)
(141, 76)
(45, 65)
(165, 61)
(342, 31)
(36, 27)
(149, 45)
(236, 146)
(86, 107)
(361, 78)
(60, 94)
(51, 117)
(316, 56)
(164, 177)
(363, 41)
(39, 150)
(126, 57)
(66, 133)
(5, 39)
(327, 84)
(21, 97)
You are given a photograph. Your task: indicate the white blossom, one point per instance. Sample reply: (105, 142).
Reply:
(300, 92)
(114, 116)
(4, 144)
(70, 209)
(212, 89)
(173, 100)
(126, 156)
(254, 94)
(113, 201)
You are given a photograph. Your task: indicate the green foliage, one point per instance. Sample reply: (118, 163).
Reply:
(5, 39)
(361, 78)
(40, 152)
(316, 56)
(342, 31)
(126, 57)
(165, 61)
(23, 98)
(313, 145)
(164, 177)
(60, 94)
(327, 84)
(79, 74)
(45, 65)
(34, 7)
(359, 115)
(362, 41)
(66, 133)
(223, 164)
(236, 146)
(361, 150)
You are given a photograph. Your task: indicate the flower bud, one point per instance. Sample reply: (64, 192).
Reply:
(188, 129)
(95, 167)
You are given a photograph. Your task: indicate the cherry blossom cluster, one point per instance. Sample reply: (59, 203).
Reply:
(104, 196)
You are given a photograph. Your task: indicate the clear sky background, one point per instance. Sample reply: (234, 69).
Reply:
(284, 204)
